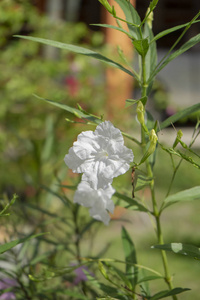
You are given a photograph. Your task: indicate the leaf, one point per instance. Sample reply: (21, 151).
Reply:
(168, 293)
(189, 44)
(141, 46)
(7, 246)
(2, 213)
(170, 30)
(130, 102)
(131, 17)
(76, 112)
(132, 203)
(186, 195)
(130, 257)
(79, 50)
(153, 4)
(178, 116)
(142, 181)
(149, 278)
(151, 56)
(179, 248)
(181, 155)
(113, 27)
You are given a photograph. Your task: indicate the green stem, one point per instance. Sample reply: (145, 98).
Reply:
(156, 212)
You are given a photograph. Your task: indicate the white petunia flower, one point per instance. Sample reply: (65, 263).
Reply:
(100, 156)
(101, 152)
(97, 199)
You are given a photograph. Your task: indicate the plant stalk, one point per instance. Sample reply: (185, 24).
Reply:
(156, 213)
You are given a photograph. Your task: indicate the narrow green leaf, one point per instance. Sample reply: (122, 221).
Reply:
(151, 56)
(130, 257)
(183, 196)
(132, 203)
(153, 4)
(131, 17)
(113, 27)
(141, 46)
(7, 246)
(76, 112)
(142, 181)
(2, 213)
(149, 278)
(79, 50)
(178, 116)
(180, 248)
(168, 293)
(189, 44)
(170, 30)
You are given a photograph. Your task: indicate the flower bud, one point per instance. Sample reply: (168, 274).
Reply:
(149, 18)
(178, 138)
(106, 5)
(152, 147)
(140, 113)
(153, 141)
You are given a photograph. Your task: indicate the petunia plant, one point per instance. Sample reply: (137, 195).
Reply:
(100, 156)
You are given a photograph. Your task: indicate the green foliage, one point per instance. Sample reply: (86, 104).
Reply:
(186, 195)
(179, 248)
(62, 264)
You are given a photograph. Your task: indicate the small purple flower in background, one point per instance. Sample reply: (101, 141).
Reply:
(80, 275)
(5, 284)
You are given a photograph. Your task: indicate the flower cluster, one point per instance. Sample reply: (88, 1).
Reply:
(100, 155)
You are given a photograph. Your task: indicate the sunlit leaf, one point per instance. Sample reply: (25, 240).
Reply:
(76, 112)
(79, 50)
(183, 196)
(168, 293)
(180, 248)
(131, 17)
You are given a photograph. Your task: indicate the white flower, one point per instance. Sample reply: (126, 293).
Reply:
(100, 156)
(97, 199)
(101, 152)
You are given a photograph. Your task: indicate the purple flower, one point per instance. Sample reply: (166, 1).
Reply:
(80, 275)
(5, 284)
(8, 296)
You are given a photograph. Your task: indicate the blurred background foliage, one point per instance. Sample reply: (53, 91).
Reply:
(32, 137)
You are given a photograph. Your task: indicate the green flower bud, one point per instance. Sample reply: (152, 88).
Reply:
(178, 138)
(106, 5)
(152, 147)
(149, 18)
(140, 113)
(153, 141)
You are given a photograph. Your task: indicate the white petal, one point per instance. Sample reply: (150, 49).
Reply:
(107, 130)
(73, 161)
(86, 145)
(99, 200)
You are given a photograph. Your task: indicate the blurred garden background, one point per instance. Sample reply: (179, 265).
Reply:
(35, 136)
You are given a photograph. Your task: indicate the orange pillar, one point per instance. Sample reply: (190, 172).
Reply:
(119, 84)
